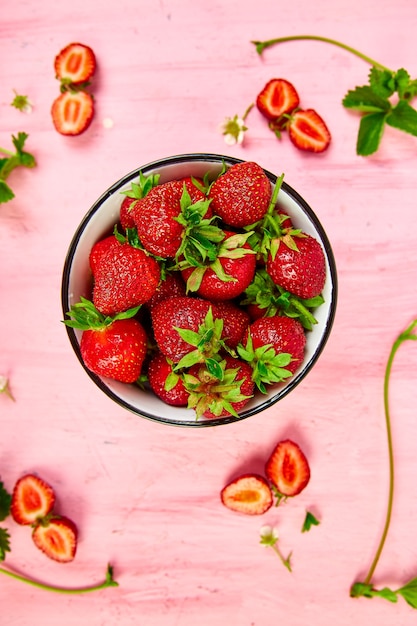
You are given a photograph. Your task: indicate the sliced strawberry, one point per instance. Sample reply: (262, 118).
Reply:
(72, 112)
(308, 131)
(32, 499)
(76, 63)
(287, 468)
(277, 98)
(57, 538)
(249, 494)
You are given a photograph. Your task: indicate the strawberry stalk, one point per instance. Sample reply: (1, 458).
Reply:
(108, 582)
(262, 45)
(365, 588)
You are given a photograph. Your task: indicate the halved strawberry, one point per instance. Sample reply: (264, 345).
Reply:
(308, 131)
(32, 499)
(287, 469)
(72, 112)
(249, 494)
(277, 98)
(57, 538)
(76, 63)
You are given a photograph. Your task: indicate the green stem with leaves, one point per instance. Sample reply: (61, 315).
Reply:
(365, 588)
(108, 582)
(261, 45)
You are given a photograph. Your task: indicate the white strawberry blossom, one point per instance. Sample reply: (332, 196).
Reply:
(4, 387)
(234, 128)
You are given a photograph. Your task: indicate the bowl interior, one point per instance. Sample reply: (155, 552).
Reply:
(100, 221)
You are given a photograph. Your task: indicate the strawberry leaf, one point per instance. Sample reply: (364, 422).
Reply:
(365, 99)
(5, 500)
(403, 117)
(309, 521)
(4, 543)
(371, 128)
(409, 592)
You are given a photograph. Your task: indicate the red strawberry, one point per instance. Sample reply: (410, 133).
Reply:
(300, 269)
(136, 191)
(100, 248)
(287, 469)
(72, 112)
(76, 63)
(184, 312)
(241, 195)
(165, 383)
(213, 397)
(112, 347)
(235, 322)
(156, 215)
(274, 348)
(32, 499)
(57, 538)
(249, 494)
(228, 275)
(172, 285)
(308, 131)
(124, 276)
(277, 98)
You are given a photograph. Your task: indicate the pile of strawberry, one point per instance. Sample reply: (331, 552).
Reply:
(204, 292)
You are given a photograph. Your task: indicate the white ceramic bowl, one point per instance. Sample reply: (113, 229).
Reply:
(100, 220)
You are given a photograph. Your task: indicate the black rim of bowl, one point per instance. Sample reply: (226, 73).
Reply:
(281, 393)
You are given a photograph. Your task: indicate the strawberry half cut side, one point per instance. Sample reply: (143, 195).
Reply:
(32, 500)
(308, 131)
(277, 98)
(57, 538)
(249, 494)
(72, 112)
(76, 63)
(287, 469)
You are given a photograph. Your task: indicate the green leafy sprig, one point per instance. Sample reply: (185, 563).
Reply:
(384, 100)
(10, 161)
(365, 588)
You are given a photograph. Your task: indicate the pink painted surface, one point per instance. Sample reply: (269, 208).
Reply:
(145, 496)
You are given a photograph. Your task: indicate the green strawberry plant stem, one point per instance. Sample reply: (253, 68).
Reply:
(365, 588)
(108, 582)
(261, 45)
(374, 100)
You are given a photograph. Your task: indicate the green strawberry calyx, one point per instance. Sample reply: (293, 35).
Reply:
(268, 366)
(207, 342)
(275, 300)
(83, 315)
(209, 393)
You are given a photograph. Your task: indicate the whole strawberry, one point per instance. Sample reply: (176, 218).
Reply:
(156, 215)
(111, 347)
(300, 267)
(241, 195)
(274, 347)
(137, 191)
(235, 322)
(228, 275)
(212, 397)
(186, 331)
(124, 276)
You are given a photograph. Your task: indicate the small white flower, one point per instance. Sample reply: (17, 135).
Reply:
(269, 535)
(233, 130)
(22, 103)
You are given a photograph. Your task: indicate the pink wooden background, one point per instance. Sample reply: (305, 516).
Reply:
(145, 496)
